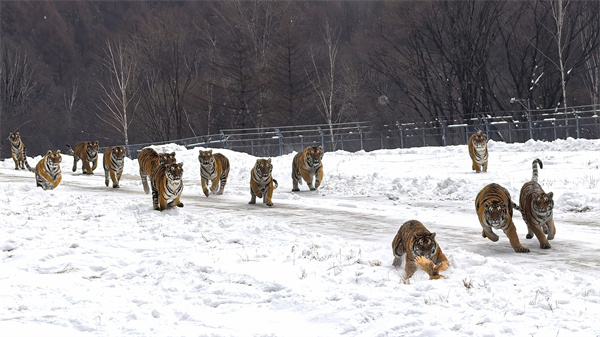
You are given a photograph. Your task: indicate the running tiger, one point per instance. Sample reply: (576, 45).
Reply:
(167, 185)
(87, 152)
(149, 160)
(414, 240)
(307, 165)
(262, 183)
(478, 151)
(114, 159)
(47, 171)
(536, 208)
(214, 169)
(494, 210)
(17, 150)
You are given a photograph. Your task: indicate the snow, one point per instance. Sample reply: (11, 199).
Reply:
(89, 260)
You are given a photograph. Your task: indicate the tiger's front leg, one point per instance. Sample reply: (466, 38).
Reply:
(410, 267)
(551, 229)
(16, 162)
(155, 198)
(476, 166)
(215, 184)
(205, 186)
(106, 178)
(94, 166)
(254, 195)
(75, 160)
(511, 232)
(488, 232)
(269, 194)
(86, 167)
(319, 177)
(485, 166)
(308, 177)
(115, 180)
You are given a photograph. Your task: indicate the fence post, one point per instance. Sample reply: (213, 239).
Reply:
(278, 133)
(224, 140)
(444, 134)
(360, 133)
(401, 138)
(577, 126)
(554, 123)
(322, 137)
(424, 143)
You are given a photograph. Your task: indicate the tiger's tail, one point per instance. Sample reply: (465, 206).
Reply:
(534, 166)
(26, 163)
(71, 152)
(275, 184)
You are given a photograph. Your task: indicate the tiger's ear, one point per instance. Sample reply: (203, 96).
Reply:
(269, 160)
(257, 161)
(550, 195)
(209, 152)
(180, 165)
(320, 148)
(172, 154)
(432, 235)
(49, 152)
(58, 151)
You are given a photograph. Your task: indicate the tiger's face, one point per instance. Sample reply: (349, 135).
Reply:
(14, 138)
(424, 245)
(496, 214)
(263, 168)
(206, 158)
(543, 203)
(118, 152)
(53, 158)
(314, 155)
(92, 147)
(174, 172)
(167, 158)
(479, 140)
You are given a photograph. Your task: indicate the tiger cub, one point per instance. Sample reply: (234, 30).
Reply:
(114, 159)
(17, 150)
(87, 152)
(307, 165)
(414, 240)
(536, 208)
(47, 171)
(262, 183)
(478, 151)
(214, 168)
(495, 209)
(149, 160)
(167, 185)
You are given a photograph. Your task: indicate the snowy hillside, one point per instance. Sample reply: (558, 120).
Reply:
(89, 260)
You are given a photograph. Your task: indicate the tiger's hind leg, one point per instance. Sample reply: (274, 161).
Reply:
(399, 251)
(75, 160)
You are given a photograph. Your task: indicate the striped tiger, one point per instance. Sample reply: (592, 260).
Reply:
(495, 210)
(414, 240)
(262, 183)
(149, 160)
(478, 151)
(308, 165)
(167, 186)
(17, 150)
(87, 152)
(536, 208)
(47, 171)
(114, 159)
(214, 169)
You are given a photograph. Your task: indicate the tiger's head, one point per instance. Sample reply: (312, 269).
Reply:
(263, 168)
(543, 203)
(118, 152)
(14, 138)
(496, 214)
(53, 158)
(174, 172)
(424, 245)
(167, 158)
(314, 155)
(206, 158)
(479, 140)
(93, 146)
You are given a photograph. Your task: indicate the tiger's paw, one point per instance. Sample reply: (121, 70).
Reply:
(528, 236)
(522, 250)
(116, 186)
(180, 204)
(270, 204)
(295, 189)
(545, 246)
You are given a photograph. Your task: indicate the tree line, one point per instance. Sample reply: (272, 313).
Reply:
(133, 72)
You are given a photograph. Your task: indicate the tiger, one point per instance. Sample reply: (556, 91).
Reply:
(114, 160)
(149, 160)
(495, 210)
(308, 165)
(262, 183)
(478, 151)
(414, 240)
(17, 150)
(87, 152)
(536, 208)
(47, 171)
(167, 185)
(214, 168)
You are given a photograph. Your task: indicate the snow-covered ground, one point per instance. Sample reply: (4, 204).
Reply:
(90, 260)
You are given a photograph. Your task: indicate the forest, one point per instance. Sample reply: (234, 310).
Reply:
(126, 72)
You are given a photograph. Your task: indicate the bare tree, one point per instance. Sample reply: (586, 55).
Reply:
(324, 81)
(70, 96)
(119, 100)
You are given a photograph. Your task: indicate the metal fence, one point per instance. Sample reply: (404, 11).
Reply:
(511, 128)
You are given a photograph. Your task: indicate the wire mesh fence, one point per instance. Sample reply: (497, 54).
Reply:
(356, 136)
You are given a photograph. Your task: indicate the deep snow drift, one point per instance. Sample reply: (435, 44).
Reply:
(89, 260)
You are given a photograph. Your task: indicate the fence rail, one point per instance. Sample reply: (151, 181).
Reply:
(513, 128)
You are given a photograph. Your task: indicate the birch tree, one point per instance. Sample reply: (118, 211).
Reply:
(118, 95)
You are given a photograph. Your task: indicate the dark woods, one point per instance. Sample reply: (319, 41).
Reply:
(131, 72)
